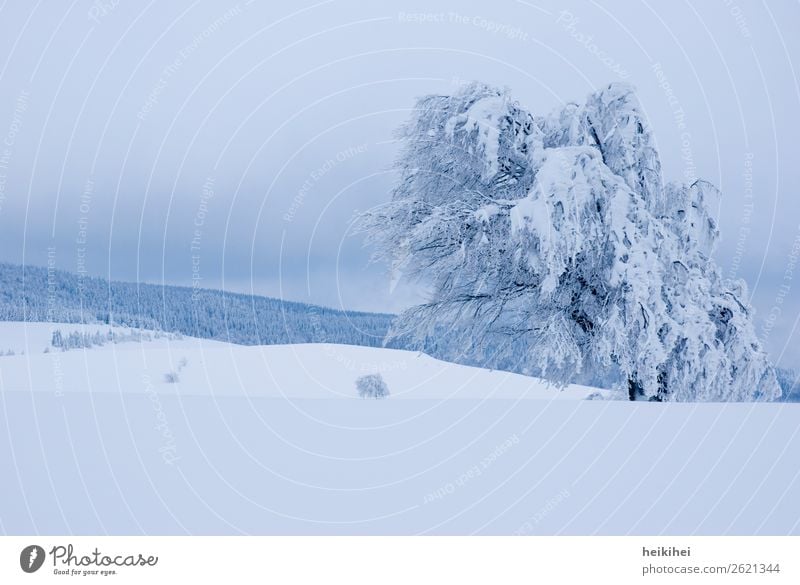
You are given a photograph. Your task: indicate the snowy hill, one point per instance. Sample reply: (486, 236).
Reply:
(207, 367)
(273, 440)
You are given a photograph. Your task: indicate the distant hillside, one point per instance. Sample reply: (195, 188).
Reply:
(37, 294)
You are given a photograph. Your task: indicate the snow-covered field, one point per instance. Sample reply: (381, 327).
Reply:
(222, 369)
(170, 436)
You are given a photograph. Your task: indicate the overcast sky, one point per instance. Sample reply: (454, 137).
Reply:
(235, 141)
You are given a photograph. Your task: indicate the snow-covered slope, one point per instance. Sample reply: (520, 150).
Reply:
(272, 440)
(20, 338)
(209, 367)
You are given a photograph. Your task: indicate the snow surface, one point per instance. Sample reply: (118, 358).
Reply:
(273, 440)
(33, 338)
(218, 368)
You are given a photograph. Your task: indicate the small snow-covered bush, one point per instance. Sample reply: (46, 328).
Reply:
(372, 386)
(171, 378)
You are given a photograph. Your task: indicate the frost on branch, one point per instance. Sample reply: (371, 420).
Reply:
(551, 245)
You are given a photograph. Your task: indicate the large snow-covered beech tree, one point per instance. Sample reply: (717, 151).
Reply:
(552, 245)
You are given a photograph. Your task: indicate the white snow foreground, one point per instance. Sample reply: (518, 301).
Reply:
(273, 440)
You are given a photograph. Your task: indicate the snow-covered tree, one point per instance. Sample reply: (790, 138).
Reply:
(551, 245)
(789, 381)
